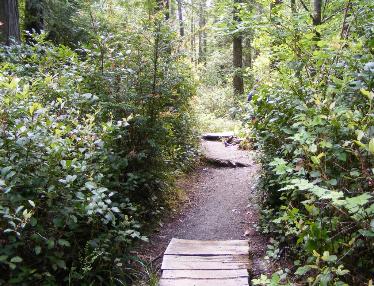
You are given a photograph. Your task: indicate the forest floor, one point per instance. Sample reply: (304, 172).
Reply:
(222, 203)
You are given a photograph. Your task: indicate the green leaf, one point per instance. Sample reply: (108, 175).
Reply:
(315, 160)
(16, 259)
(303, 270)
(327, 257)
(332, 182)
(371, 146)
(368, 94)
(34, 107)
(50, 243)
(12, 266)
(63, 242)
(355, 203)
(313, 148)
(90, 185)
(281, 166)
(61, 263)
(341, 271)
(37, 250)
(366, 233)
(360, 134)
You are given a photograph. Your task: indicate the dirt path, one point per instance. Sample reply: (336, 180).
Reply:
(223, 204)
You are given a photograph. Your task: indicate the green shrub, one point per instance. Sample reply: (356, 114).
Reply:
(86, 157)
(315, 127)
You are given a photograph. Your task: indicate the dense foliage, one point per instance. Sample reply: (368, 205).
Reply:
(90, 139)
(98, 115)
(313, 121)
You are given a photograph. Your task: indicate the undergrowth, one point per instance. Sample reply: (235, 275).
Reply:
(314, 125)
(91, 140)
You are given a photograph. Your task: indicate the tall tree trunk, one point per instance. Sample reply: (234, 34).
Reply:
(247, 54)
(192, 32)
(247, 49)
(166, 9)
(317, 12)
(237, 50)
(9, 22)
(202, 33)
(34, 21)
(317, 18)
(180, 18)
(345, 27)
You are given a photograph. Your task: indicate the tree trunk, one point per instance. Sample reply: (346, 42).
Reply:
(192, 32)
(180, 18)
(345, 27)
(34, 21)
(9, 22)
(317, 13)
(202, 33)
(238, 64)
(166, 9)
(247, 54)
(237, 51)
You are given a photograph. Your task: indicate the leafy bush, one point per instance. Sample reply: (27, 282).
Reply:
(86, 155)
(314, 124)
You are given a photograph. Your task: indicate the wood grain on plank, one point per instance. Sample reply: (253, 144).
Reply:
(188, 247)
(204, 282)
(202, 274)
(205, 262)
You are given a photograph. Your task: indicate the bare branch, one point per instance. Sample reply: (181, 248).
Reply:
(306, 8)
(333, 15)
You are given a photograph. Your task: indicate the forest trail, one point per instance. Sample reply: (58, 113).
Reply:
(222, 204)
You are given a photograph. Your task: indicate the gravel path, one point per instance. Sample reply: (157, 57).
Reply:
(222, 204)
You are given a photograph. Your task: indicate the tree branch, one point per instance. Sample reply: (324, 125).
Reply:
(306, 8)
(333, 15)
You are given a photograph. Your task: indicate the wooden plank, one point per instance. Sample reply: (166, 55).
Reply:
(189, 247)
(205, 262)
(206, 242)
(217, 136)
(203, 274)
(204, 282)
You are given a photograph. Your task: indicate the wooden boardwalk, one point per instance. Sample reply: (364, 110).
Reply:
(205, 263)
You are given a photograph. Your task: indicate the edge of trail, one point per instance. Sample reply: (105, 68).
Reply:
(222, 203)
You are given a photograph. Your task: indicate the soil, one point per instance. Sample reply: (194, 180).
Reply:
(223, 204)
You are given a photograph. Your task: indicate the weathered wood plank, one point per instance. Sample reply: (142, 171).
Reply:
(205, 262)
(189, 247)
(204, 282)
(204, 274)
(212, 242)
(217, 136)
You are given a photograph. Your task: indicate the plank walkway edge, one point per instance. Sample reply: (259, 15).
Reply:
(205, 263)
